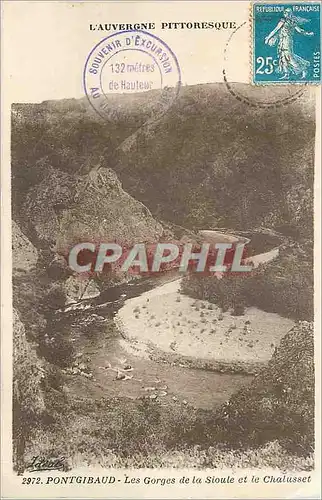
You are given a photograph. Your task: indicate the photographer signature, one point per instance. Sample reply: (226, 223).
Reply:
(39, 463)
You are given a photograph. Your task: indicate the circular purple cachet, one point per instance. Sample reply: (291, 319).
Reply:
(131, 74)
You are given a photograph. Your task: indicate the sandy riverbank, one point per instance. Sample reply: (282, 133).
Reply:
(166, 324)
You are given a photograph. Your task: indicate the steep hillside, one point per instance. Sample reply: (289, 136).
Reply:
(279, 404)
(284, 286)
(196, 166)
(28, 398)
(217, 161)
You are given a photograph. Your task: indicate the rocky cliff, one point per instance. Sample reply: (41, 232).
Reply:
(279, 404)
(28, 399)
(24, 254)
(64, 209)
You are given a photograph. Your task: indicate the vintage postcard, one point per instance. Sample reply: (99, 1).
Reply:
(160, 249)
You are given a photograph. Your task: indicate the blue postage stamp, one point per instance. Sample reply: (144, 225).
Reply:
(286, 40)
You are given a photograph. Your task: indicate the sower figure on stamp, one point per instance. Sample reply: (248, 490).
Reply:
(283, 33)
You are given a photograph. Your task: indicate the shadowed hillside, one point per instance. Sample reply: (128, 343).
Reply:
(280, 402)
(196, 165)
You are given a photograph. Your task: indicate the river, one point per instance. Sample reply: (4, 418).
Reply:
(101, 347)
(103, 352)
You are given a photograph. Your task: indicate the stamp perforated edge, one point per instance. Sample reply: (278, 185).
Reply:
(251, 46)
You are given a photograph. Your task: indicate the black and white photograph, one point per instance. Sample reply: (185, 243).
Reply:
(162, 265)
